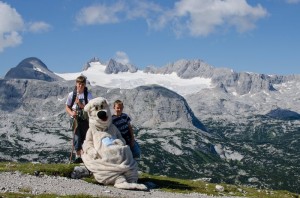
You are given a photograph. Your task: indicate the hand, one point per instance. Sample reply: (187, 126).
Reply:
(74, 114)
(77, 101)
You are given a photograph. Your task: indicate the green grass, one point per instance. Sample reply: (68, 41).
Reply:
(162, 183)
(188, 186)
(63, 170)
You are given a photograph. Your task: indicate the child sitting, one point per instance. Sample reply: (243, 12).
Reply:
(122, 122)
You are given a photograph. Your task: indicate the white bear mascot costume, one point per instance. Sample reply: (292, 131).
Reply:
(105, 153)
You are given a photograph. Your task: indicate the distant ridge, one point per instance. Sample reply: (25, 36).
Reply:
(32, 68)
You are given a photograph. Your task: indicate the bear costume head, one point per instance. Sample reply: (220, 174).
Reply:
(99, 113)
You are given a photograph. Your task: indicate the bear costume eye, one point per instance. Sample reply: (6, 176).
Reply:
(103, 105)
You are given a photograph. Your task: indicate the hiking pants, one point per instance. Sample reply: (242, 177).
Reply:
(80, 133)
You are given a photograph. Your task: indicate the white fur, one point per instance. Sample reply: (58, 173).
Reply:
(110, 163)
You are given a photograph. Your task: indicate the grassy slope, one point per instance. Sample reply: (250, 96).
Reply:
(161, 182)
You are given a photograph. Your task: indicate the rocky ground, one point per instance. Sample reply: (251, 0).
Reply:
(18, 182)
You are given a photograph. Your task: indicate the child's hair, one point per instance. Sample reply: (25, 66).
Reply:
(81, 79)
(118, 102)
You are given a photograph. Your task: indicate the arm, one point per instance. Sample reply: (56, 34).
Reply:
(68, 107)
(131, 135)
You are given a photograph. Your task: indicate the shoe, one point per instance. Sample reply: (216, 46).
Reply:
(78, 160)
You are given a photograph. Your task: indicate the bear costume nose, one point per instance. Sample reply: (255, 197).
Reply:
(102, 115)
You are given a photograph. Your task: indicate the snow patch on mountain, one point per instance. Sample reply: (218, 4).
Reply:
(126, 80)
(38, 69)
(228, 154)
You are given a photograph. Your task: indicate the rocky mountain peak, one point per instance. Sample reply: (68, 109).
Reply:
(189, 68)
(31, 68)
(115, 67)
(88, 65)
(184, 69)
(253, 83)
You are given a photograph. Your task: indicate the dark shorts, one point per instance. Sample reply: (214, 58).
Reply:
(80, 133)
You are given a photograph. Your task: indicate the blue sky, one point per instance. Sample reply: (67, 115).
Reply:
(253, 36)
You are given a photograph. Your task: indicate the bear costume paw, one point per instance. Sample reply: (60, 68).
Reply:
(131, 186)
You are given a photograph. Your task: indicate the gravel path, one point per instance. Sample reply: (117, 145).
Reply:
(17, 182)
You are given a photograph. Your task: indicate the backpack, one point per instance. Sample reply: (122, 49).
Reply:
(85, 93)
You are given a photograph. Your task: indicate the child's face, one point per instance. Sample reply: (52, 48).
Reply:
(118, 109)
(80, 87)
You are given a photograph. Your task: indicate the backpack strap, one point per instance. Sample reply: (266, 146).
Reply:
(85, 93)
(73, 97)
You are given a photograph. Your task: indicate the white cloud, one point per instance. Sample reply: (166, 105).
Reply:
(37, 27)
(122, 57)
(293, 1)
(202, 17)
(116, 12)
(100, 14)
(192, 17)
(142, 9)
(11, 23)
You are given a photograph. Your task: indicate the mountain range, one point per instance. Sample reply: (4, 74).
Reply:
(192, 120)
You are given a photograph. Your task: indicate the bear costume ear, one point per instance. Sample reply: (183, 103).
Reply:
(87, 107)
